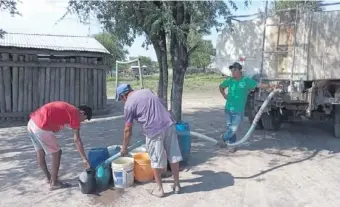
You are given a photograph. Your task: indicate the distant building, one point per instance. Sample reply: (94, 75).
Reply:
(37, 69)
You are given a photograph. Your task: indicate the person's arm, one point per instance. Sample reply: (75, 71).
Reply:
(266, 86)
(80, 147)
(126, 140)
(252, 84)
(223, 86)
(75, 125)
(128, 113)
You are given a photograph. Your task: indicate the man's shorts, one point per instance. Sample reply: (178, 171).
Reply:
(163, 147)
(42, 139)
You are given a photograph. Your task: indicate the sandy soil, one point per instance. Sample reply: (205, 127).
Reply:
(295, 166)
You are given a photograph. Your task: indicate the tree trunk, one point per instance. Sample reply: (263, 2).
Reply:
(161, 52)
(179, 60)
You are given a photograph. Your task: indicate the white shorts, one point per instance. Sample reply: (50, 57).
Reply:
(42, 139)
(162, 147)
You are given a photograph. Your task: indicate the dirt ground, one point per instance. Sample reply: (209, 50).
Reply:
(296, 166)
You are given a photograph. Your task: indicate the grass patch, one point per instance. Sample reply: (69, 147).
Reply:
(192, 83)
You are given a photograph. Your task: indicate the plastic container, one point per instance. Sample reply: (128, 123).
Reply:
(140, 149)
(97, 155)
(184, 139)
(113, 149)
(122, 172)
(143, 171)
(87, 181)
(103, 176)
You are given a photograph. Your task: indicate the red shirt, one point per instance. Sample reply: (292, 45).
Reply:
(55, 115)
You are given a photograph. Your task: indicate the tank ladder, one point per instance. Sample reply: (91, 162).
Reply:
(280, 49)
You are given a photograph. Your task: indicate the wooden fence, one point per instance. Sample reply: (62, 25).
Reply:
(28, 82)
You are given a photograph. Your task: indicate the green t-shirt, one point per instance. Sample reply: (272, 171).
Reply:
(238, 92)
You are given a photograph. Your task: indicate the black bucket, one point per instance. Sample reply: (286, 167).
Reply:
(87, 181)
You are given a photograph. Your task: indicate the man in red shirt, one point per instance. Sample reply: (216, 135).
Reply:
(47, 120)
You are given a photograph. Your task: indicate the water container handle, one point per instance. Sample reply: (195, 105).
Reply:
(90, 171)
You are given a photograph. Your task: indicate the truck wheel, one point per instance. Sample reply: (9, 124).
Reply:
(271, 121)
(336, 121)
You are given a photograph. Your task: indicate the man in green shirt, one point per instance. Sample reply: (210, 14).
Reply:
(238, 88)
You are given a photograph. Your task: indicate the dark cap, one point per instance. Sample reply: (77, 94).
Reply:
(235, 65)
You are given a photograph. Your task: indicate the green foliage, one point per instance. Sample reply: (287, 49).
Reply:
(284, 4)
(200, 57)
(112, 44)
(126, 19)
(155, 20)
(11, 7)
(143, 61)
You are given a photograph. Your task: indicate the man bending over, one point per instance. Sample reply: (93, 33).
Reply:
(159, 127)
(42, 126)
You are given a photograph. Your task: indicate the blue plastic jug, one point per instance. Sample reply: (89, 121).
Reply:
(97, 156)
(184, 138)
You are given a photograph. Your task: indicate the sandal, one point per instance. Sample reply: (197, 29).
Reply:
(221, 142)
(60, 185)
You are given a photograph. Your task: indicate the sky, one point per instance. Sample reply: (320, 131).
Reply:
(41, 16)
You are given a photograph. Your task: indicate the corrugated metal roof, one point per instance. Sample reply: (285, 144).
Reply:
(52, 42)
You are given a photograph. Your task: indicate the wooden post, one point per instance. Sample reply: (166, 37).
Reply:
(82, 86)
(95, 88)
(47, 85)
(57, 84)
(72, 82)
(21, 89)
(2, 93)
(100, 89)
(35, 73)
(35, 84)
(82, 81)
(77, 86)
(41, 86)
(52, 82)
(62, 83)
(85, 87)
(72, 85)
(90, 87)
(7, 84)
(67, 85)
(104, 91)
(26, 79)
(15, 84)
(30, 87)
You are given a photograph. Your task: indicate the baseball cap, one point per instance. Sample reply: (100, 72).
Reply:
(235, 65)
(122, 88)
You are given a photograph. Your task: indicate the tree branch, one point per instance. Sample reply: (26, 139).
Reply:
(191, 50)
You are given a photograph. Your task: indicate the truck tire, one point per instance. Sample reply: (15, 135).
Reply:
(271, 121)
(336, 121)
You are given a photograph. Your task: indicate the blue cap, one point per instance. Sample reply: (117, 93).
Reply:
(122, 88)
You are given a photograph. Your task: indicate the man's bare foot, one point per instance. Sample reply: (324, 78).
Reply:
(158, 192)
(48, 179)
(59, 185)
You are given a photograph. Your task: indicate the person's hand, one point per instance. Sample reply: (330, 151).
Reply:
(87, 164)
(123, 151)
